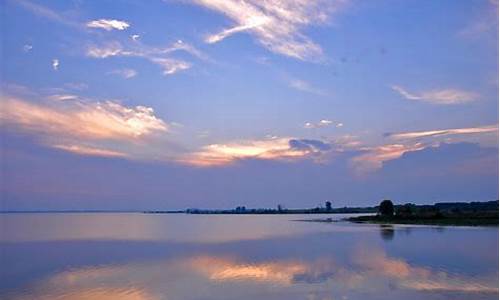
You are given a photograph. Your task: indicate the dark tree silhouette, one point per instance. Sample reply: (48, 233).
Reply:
(328, 205)
(386, 208)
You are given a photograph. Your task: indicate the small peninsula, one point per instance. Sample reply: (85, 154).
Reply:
(441, 214)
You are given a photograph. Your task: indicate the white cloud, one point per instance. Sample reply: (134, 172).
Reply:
(125, 73)
(159, 56)
(171, 66)
(62, 97)
(27, 48)
(55, 64)
(322, 123)
(106, 50)
(441, 132)
(277, 25)
(442, 96)
(108, 24)
(305, 86)
(89, 151)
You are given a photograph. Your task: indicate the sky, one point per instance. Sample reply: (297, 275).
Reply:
(135, 105)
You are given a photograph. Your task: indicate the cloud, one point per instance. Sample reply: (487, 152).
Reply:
(81, 126)
(47, 13)
(432, 133)
(305, 86)
(322, 123)
(486, 23)
(268, 149)
(108, 24)
(442, 97)
(92, 120)
(107, 50)
(90, 151)
(55, 64)
(277, 25)
(125, 73)
(62, 97)
(158, 56)
(373, 157)
(27, 48)
(171, 66)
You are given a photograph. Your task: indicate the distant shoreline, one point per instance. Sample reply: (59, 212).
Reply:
(486, 220)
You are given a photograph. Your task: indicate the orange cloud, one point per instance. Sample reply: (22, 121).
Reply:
(82, 127)
(96, 120)
(222, 154)
(375, 156)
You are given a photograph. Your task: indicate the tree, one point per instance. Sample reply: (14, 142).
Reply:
(328, 205)
(386, 208)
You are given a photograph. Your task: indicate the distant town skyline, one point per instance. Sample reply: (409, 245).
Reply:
(216, 104)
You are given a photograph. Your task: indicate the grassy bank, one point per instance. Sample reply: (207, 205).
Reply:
(482, 219)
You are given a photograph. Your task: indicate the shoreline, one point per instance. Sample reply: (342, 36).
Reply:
(487, 221)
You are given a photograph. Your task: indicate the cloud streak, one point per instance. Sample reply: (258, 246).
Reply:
(125, 73)
(305, 86)
(158, 56)
(90, 151)
(277, 25)
(108, 24)
(441, 96)
(433, 133)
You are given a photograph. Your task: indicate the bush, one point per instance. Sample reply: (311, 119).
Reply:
(386, 208)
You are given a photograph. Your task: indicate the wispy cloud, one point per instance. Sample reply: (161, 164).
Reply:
(305, 86)
(62, 97)
(441, 132)
(125, 73)
(108, 24)
(485, 23)
(106, 50)
(158, 56)
(90, 151)
(442, 96)
(47, 13)
(271, 149)
(55, 64)
(277, 25)
(322, 123)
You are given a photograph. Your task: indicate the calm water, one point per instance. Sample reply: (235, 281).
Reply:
(141, 256)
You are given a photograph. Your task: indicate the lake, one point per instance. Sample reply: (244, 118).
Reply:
(178, 256)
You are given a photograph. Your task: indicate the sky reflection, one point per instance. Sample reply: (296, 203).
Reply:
(323, 262)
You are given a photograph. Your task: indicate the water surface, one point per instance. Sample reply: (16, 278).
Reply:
(157, 256)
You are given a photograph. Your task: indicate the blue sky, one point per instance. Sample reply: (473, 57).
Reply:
(175, 104)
